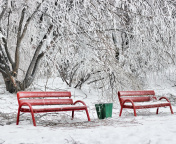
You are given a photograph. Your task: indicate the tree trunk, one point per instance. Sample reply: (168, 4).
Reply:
(9, 85)
(9, 67)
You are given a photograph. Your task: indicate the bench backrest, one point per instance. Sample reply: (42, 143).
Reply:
(53, 96)
(136, 96)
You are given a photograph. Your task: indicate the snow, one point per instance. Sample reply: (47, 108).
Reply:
(58, 128)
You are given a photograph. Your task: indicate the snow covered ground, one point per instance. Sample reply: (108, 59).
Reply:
(58, 128)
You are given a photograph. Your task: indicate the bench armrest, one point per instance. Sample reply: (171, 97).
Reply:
(164, 98)
(79, 101)
(128, 100)
(25, 104)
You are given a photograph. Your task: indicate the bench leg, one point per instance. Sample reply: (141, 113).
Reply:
(72, 114)
(87, 114)
(18, 116)
(121, 111)
(157, 110)
(135, 112)
(33, 118)
(32, 113)
(171, 110)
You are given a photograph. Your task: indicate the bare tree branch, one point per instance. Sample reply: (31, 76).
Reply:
(29, 19)
(21, 34)
(36, 58)
(82, 80)
(3, 56)
(19, 39)
(34, 72)
(117, 53)
(37, 64)
(32, 64)
(8, 23)
(95, 80)
(7, 51)
(2, 71)
(3, 11)
(62, 74)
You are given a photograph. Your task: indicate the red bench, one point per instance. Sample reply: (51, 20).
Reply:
(141, 100)
(57, 101)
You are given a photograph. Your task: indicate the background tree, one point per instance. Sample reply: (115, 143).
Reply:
(117, 44)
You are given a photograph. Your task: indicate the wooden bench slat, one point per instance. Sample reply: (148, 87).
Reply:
(47, 101)
(136, 93)
(42, 94)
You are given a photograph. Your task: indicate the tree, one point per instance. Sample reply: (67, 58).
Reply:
(10, 65)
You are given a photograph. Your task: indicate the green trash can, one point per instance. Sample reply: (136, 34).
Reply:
(104, 110)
